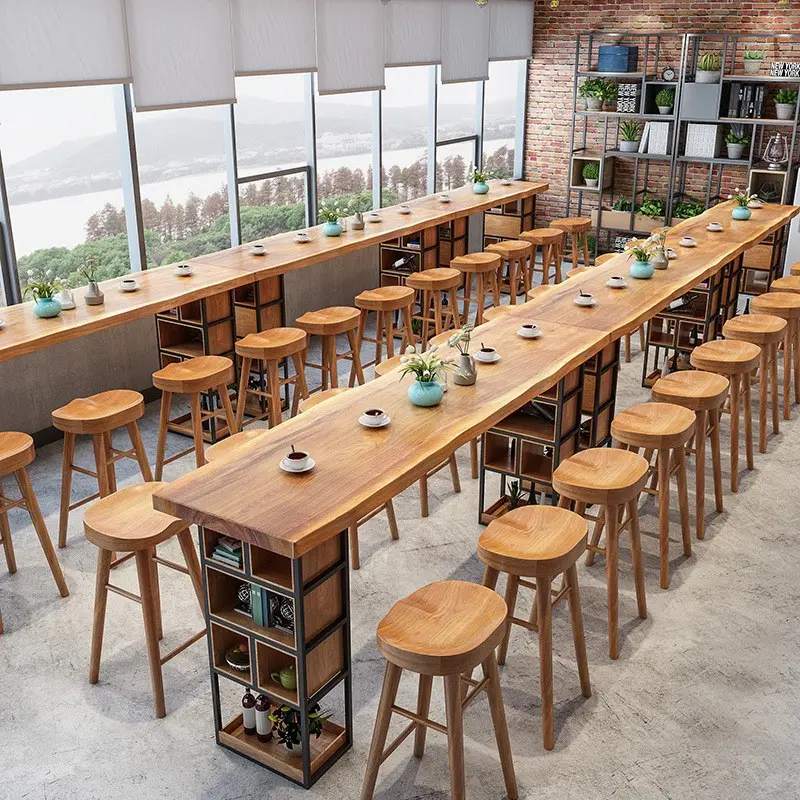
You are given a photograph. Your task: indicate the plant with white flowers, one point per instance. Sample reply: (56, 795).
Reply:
(658, 238)
(742, 198)
(461, 340)
(42, 289)
(425, 367)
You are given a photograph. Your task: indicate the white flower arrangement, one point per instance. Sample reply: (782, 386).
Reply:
(461, 339)
(742, 198)
(425, 367)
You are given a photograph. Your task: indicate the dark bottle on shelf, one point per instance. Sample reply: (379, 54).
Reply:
(249, 713)
(262, 718)
(693, 337)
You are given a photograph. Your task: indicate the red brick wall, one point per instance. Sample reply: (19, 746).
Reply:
(551, 69)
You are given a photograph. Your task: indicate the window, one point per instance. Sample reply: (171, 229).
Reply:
(452, 164)
(63, 178)
(457, 111)
(500, 117)
(273, 205)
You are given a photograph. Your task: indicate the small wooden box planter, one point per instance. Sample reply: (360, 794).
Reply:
(621, 221)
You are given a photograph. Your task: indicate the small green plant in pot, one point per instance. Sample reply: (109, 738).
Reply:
(709, 68)
(42, 290)
(641, 268)
(610, 94)
(665, 101)
(591, 173)
(736, 141)
(593, 90)
(479, 178)
(516, 496)
(286, 725)
(688, 208)
(752, 61)
(427, 368)
(331, 214)
(785, 102)
(652, 207)
(630, 134)
(742, 200)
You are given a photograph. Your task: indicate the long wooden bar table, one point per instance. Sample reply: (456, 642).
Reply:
(292, 526)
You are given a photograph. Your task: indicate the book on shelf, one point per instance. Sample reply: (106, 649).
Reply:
(645, 137)
(257, 604)
(227, 559)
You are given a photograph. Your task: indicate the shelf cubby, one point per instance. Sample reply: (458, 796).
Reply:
(223, 638)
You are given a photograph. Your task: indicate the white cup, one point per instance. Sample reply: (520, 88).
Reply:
(128, 284)
(584, 299)
(375, 416)
(374, 216)
(183, 269)
(404, 209)
(529, 330)
(257, 249)
(486, 354)
(302, 236)
(297, 459)
(444, 198)
(714, 226)
(616, 280)
(688, 241)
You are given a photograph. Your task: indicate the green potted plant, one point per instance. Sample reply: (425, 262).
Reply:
(742, 199)
(427, 368)
(630, 133)
(688, 208)
(594, 92)
(641, 267)
(752, 61)
(516, 496)
(785, 102)
(90, 271)
(479, 178)
(610, 93)
(331, 214)
(665, 100)
(591, 173)
(465, 373)
(652, 207)
(45, 305)
(286, 725)
(735, 142)
(709, 68)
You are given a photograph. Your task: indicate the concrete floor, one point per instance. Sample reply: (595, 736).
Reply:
(704, 701)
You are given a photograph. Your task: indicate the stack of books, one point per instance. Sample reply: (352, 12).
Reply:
(746, 100)
(228, 551)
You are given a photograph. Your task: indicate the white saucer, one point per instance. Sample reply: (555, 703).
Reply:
(714, 230)
(183, 273)
(757, 204)
(506, 182)
(487, 360)
(585, 305)
(257, 252)
(442, 199)
(671, 254)
(363, 420)
(129, 288)
(403, 210)
(694, 244)
(286, 468)
(302, 241)
(616, 285)
(374, 219)
(537, 335)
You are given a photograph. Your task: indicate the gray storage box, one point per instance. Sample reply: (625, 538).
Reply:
(700, 101)
(703, 141)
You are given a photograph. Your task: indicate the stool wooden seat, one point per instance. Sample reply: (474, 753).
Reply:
(794, 269)
(98, 416)
(385, 301)
(540, 290)
(387, 366)
(736, 361)
(320, 397)
(269, 348)
(767, 331)
(577, 271)
(444, 629)
(605, 257)
(127, 521)
(232, 444)
(540, 542)
(662, 430)
(551, 240)
(484, 268)
(704, 393)
(430, 284)
(612, 479)
(790, 283)
(517, 254)
(328, 323)
(494, 313)
(16, 452)
(192, 377)
(577, 228)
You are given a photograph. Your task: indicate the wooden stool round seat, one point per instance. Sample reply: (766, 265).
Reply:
(539, 542)
(703, 393)
(127, 521)
(328, 323)
(484, 268)
(321, 397)
(16, 452)
(192, 377)
(577, 228)
(736, 361)
(577, 271)
(98, 416)
(551, 240)
(794, 269)
(443, 629)
(430, 285)
(540, 290)
(385, 301)
(494, 313)
(517, 253)
(612, 479)
(662, 430)
(232, 444)
(767, 331)
(604, 258)
(790, 283)
(390, 365)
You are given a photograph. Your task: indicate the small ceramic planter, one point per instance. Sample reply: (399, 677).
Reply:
(665, 110)
(93, 296)
(735, 151)
(45, 308)
(784, 110)
(465, 374)
(628, 147)
(752, 66)
(357, 223)
(479, 187)
(592, 182)
(741, 212)
(707, 76)
(659, 259)
(332, 229)
(425, 393)
(642, 270)
(594, 103)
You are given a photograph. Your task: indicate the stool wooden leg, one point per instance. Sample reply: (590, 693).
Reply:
(513, 279)
(197, 429)
(66, 487)
(612, 579)
(274, 389)
(325, 369)
(227, 408)
(636, 558)
(716, 458)
(391, 680)
(166, 405)
(773, 378)
(141, 455)
(108, 457)
(437, 312)
(545, 626)
(578, 636)
(423, 495)
(663, 516)
(144, 572)
(547, 255)
(700, 427)
(796, 358)
(735, 389)
(193, 565)
(558, 257)
(100, 467)
(300, 386)
(498, 712)
(787, 369)
(427, 299)
(408, 330)
(356, 368)
(473, 458)
(494, 278)
(392, 519)
(763, 388)
(454, 308)
(423, 709)
(490, 575)
(597, 532)
(512, 588)
(241, 395)
(584, 238)
(575, 242)
(627, 348)
(99, 619)
(8, 544)
(454, 473)
(747, 402)
(683, 499)
(352, 533)
(156, 591)
(380, 328)
(455, 735)
(480, 293)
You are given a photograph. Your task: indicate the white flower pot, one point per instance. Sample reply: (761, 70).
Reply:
(592, 182)
(735, 151)
(665, 110)
(707, 76)
(594, 103)
(784, 110)
(752, 66)
(628, 147)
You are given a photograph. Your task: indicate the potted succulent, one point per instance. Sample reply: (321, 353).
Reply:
(742, 200)
(735, 142)
(479, 178)
(709, 68)
(286, 725)
(465, 373)
(42, 291)
(641, 267)
(752, 61)
(665, 100)
(427, 368)
(593, 91)
(591, 173)
(331, 214)
(785, 102)
(93, 296)
(516, 496)
(630, 134)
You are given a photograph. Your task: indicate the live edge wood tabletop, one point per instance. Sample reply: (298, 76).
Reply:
(251, 499)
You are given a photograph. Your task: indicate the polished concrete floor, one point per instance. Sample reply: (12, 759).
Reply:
(704, 701)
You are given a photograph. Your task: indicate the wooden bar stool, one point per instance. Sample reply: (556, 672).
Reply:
(16, 452)
(494, 313)
(233, 444)
(539, 542)
(573, 273)
(767, 331)
(704, 393)
(578, 229)
(551, 240)
(790, 283)
(604, 258)
(736, 361)
(517, 254)
(662, 429)
(385, 301)
(444, 629)
(192, 377)
(794, 269)
(98, 416)
(612, 479)
(540, 290)
(484, 268)
(328, 323)
(270, 347)
(430, 285)
(127, 521)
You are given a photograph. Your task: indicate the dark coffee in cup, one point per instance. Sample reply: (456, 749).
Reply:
(375, 412)
(297, 455)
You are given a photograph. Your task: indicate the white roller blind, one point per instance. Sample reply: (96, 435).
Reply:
(181, 52)
(350, 47)
(273, 36)
(413, 32)
(511, 29)
(62, 42)
(465, 41)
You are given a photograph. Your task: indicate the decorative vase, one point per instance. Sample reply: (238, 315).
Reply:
(46, 307)
(66, 299)
(784, 110)
(664, 110)
(752, 66)
(741, 212)
(93, 296)
(707, 76)
(641, 270)
(659, 259)
(425, 393)
(465, 374)
(592, 182)
(479, 187)
(628, 147)
(594, 103)
(358, 221)
(735, 151)
(332, 229)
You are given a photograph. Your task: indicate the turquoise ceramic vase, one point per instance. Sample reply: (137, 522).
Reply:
(332, 229)
(741, 212)
(46, 307)
(479, 187)
(641, 270)
(425, 393)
